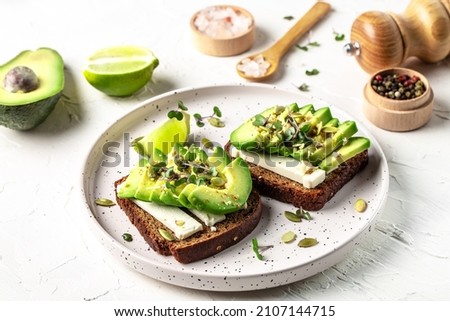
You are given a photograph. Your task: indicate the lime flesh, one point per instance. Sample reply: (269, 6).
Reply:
(121, 70)
(165, 136)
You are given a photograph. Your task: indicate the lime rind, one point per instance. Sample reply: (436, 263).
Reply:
(120, 71)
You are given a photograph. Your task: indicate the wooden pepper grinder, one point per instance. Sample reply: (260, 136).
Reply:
(381, 40)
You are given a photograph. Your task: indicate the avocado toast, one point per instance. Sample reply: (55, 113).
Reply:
(300, 155)
(187, 201)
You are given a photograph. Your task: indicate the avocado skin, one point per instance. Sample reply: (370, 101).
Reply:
(28, 110)
(29, 116)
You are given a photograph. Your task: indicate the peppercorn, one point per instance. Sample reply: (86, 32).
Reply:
(399, 87)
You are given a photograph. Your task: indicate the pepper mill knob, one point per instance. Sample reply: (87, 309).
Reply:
(382, 40)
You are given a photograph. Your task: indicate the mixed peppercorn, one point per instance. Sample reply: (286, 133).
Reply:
(398, 86)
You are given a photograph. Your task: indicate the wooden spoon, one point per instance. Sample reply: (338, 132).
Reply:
(274, 54)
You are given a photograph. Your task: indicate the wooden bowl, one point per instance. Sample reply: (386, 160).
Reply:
(398, 115)
(223, 45)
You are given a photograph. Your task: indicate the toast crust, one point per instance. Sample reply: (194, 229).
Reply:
(286, 190)
(202, 244)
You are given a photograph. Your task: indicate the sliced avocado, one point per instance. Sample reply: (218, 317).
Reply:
(129, 186)
(218, 158)
(344, 131)
(353, 147)
(229, 199)
(247, 137)
(24, 106)
(320, 116)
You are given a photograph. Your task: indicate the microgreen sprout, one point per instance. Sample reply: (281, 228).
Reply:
(178, 113)
(213, 119)
(309, 44)
(259, 249)
(312, 72)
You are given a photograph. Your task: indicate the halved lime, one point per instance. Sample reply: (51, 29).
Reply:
(120, 70)
(162, 138)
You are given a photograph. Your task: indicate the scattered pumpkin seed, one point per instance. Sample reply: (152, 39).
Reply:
(104, 202)
(360, 205)
(207, 143)
(303, 214)
(288, 237)
(127, 237)
(179, 222)
(216, 122)
(307, 242)
(166, 235)
(293, 217)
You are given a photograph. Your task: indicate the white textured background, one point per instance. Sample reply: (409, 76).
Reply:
(47, 251)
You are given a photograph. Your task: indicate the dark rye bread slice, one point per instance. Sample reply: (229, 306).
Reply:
(202, 244)
(286, 190)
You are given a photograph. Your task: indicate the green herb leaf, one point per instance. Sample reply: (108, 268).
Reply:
(182, 106)
(339, 36)
(127, 237)
(303, 87)
(314, 44)
(199, 123)
(179, 115)
(288, 17)
(172, 113)
(312, 72)
(217, 111)
(197, 116)
(304, 48)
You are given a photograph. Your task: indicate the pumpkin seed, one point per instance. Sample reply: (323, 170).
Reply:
(166, 235)
(360, 205)
(288, 237)
(104, 202)
(307, 242)
(207, 143)
(179, 222)
(216, 122)
(292, 217)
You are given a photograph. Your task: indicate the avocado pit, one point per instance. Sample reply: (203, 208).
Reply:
(21, 79)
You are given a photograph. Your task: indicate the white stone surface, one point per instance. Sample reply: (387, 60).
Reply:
(47, 251)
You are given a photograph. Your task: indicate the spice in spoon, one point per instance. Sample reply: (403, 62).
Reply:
(256, 66)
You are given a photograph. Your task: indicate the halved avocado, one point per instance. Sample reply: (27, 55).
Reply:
(23, 109)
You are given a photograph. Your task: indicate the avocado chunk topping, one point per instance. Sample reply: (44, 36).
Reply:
(30, 86)
(191, 178)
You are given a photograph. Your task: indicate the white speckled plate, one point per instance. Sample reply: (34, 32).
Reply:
(337, 227)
